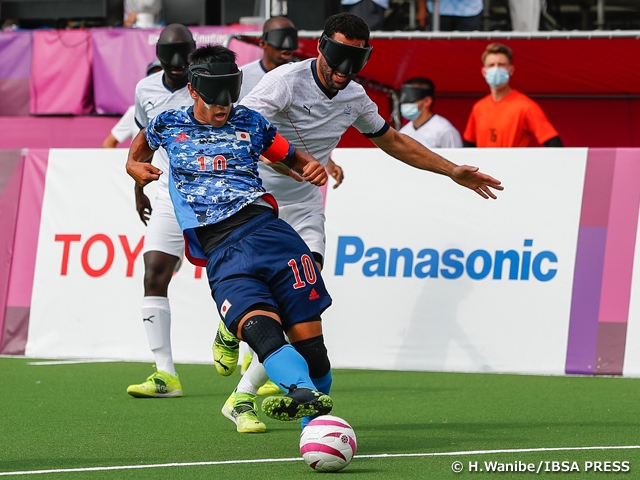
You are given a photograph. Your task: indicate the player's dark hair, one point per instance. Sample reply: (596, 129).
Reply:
(212, 54)
(348, 24)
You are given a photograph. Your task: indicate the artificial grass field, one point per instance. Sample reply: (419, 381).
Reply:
(78, 416)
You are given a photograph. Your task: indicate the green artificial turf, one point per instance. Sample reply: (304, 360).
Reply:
(78, 416)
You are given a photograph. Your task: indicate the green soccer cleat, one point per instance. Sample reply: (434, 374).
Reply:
(159, 385)
(270, 388)
(246, 361)
(298, 403)
(226, 350)
(240, 408)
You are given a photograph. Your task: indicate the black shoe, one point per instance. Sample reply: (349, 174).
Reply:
(298, 403)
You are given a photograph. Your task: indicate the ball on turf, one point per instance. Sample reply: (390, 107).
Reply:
(328, 443)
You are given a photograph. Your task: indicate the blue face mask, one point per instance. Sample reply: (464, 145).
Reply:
(496, 76)
(410, 111)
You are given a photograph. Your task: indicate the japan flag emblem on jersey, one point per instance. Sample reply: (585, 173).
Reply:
(226, 305)
(244, 136)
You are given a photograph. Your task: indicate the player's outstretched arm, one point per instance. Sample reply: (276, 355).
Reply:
(412, 153)
(475, 180)
(138, 166)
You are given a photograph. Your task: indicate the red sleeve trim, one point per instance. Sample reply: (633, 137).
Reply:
(279, 149)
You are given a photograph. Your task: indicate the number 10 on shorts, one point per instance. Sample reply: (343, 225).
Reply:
(307, 267)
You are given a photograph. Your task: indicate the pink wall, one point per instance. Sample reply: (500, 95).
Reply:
(55, 132)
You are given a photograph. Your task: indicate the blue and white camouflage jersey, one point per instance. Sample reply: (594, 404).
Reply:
(213, 170)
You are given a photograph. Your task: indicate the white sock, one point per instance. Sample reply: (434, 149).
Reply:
(254, 378)
(156, 317)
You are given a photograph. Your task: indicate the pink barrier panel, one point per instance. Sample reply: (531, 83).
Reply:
(61, 72)
(21, 189)
(15, 326)
(11, 171)
(120, 58)
(15, 70)
(54, 132)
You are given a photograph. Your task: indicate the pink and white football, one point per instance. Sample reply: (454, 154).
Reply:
(328, 443)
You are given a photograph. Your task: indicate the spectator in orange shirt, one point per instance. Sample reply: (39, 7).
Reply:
(506, 117)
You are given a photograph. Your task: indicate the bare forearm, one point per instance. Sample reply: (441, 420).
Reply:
(139, 151)
(138, 166)
(413, 153)
(297, 160)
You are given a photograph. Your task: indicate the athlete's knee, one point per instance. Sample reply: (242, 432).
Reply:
(263, 334)
(314, 352)
(158, 270)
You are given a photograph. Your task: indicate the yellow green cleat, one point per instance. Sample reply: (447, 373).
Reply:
(226, 350)
(270, 388)
(246, 361)
(159, 385)
(240, 408)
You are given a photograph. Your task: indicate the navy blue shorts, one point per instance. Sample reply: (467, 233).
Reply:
(266, 262)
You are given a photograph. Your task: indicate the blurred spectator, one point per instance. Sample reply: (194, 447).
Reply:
(416, 105)
(525, 15)
(506, 117)
(462, 15)
(371, 11)
(142, 13)
(10, 24)
(126, 127)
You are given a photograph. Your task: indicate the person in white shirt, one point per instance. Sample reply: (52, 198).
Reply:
(279, 40)
(430, 129)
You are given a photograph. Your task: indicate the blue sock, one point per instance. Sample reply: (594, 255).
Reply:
(286, 366)
(323, 384)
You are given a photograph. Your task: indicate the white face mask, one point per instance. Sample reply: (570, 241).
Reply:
(410, 111)
(496, 76)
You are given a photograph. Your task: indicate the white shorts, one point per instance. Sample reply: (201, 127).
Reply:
(163, 232)
(307, 219)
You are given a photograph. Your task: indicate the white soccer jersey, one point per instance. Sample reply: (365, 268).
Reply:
(126, 127)
(252, 73)
(293, 98)
(437, 132)
(153, 96)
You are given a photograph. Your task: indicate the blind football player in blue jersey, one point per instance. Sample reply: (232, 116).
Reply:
(262, 274)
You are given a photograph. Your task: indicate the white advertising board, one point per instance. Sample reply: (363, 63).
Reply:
(87, 291)
(478, 319)
(425, 274)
